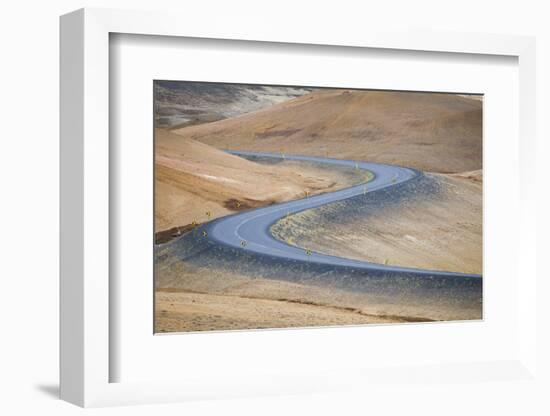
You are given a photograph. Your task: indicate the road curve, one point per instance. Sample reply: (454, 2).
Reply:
(250, 230)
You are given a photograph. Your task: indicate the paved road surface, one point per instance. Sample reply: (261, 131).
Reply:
(250, 230)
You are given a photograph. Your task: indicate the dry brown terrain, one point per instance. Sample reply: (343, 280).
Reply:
(187, 311)
(432, 132)
(179, 104)
(443, 233)
(475, 176)
(194, 298)
(193, 179)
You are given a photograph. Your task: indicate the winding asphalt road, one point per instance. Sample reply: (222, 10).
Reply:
(250, 230)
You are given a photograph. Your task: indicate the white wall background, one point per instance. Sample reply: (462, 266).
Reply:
(29, 208)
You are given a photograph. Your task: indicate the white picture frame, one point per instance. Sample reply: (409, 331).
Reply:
(86, 355)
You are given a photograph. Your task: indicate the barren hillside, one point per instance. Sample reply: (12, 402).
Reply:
(195, 182)
(436, 225)
(188, 103)
(432, 132)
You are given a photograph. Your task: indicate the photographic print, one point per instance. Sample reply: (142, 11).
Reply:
(297, 206)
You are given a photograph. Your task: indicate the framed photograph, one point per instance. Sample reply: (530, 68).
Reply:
(272, 212)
